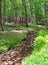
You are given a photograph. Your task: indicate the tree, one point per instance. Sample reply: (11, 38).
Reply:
(32, 10)
(16, 8)
(4, 10)
(1, 27)
(46, 14)
(25, 9)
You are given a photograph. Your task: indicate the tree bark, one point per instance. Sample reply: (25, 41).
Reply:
(24, 4)
(1, 27)
(4, 11)
(46, 14)
(32, 10)
(16, 7)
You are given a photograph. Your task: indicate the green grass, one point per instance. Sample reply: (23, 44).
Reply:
(10, 39)
(43, 33)
(38, 58)
(30, 27)
(39, 55)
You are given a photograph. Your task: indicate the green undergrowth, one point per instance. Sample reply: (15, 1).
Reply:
(10, 39)
(30, 27)
(39, 55)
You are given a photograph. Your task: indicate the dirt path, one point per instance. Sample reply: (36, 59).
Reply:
(17, 31)
(16, 55)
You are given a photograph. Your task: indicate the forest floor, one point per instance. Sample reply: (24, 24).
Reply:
(16, 55)
(18, 44)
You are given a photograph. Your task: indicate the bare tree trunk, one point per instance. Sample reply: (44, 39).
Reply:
(4, 11)
(32, 10)
(46, 14)
(15, 7)
(20, 21)
(24, 4)
(1, 28)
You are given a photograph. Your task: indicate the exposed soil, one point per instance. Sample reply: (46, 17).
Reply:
(16, 55)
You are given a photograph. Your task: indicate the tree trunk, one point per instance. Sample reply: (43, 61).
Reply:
(16, 7)
(4, 11)
(24, 4)
(46, 14)
(1, 28)
(32, 10)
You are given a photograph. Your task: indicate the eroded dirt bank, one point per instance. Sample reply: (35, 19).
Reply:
(16, 55)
